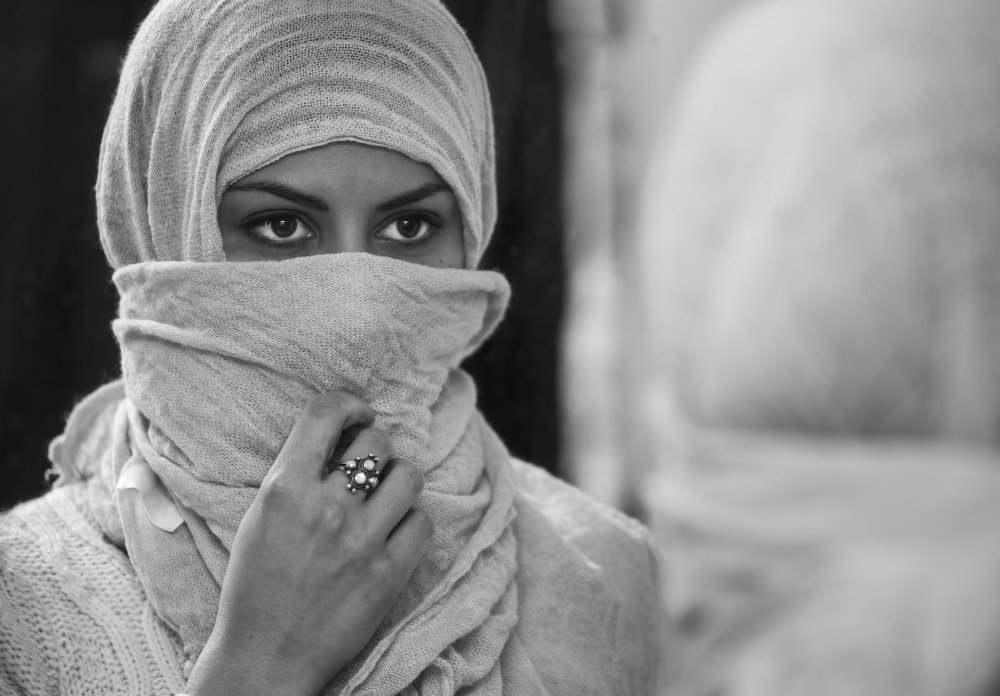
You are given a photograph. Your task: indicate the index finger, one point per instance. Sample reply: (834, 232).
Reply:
(316, 432)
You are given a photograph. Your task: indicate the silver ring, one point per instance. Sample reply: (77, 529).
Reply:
(362, 473)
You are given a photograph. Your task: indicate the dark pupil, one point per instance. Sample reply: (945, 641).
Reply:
(408, 227)
(284, 227)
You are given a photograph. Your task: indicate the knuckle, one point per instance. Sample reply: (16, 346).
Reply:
(380, 440)
(410, 474)
(325, 404)
(382, 568)
(275, 491)
(358, 548)
(333, 517)
(339, 405)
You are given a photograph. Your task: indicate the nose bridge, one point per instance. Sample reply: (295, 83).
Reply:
(346, 231)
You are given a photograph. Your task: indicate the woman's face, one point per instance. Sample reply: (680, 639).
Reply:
(343, 197)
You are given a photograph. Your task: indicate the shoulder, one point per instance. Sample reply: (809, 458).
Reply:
(594, 528)
(34, 564)
(53, 532)
(589, 582)
(73, 616)
(52, 553)
(618, 547)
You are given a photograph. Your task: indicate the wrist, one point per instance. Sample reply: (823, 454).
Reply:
(226, 668)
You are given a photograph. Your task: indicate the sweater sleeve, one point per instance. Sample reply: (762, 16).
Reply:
(24, 667)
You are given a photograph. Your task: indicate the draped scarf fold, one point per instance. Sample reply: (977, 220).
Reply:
(218, 360)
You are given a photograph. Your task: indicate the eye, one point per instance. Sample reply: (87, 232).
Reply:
(406, 229)
(282, 229)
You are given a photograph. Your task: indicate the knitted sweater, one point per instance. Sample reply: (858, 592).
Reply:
(75, 620)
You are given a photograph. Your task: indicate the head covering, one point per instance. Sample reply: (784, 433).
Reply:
(821, 254)
(211, 91)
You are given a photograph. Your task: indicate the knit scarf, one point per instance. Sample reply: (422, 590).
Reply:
(218, 360)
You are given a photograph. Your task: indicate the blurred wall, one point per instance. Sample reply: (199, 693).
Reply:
(61, 61)
(623, 62)
(56, 302)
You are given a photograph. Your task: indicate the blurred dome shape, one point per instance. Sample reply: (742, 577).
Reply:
(820, 262)
(820, 241)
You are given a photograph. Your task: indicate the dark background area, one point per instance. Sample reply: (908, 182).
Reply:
(61, 63)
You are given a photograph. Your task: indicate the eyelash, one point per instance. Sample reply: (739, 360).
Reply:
(424, 217)
(432, 221)
(252, 224)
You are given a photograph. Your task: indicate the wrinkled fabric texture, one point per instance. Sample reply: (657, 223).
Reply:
(75, 620)
(516, 593)
(820, 253)
(211, 397)
(211, 91)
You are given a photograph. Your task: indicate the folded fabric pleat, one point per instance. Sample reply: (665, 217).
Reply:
(218, 359)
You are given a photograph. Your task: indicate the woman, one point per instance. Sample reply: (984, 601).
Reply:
(290, 490)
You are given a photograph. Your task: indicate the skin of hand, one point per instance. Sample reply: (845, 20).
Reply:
(314, 568)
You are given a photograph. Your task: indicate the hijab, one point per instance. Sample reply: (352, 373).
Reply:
(211, 91)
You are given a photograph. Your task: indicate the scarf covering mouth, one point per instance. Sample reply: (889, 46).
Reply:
(218, 360)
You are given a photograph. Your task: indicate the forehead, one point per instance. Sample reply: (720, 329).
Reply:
(346, 164)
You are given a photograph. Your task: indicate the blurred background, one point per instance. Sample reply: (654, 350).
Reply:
(561, 73)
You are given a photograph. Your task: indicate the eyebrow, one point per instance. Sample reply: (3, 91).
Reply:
(418, 194)
(286, 192)
(278, 189)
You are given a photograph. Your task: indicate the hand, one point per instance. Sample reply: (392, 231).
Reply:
(314, 568)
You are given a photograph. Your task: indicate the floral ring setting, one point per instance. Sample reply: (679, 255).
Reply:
(362, 473)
